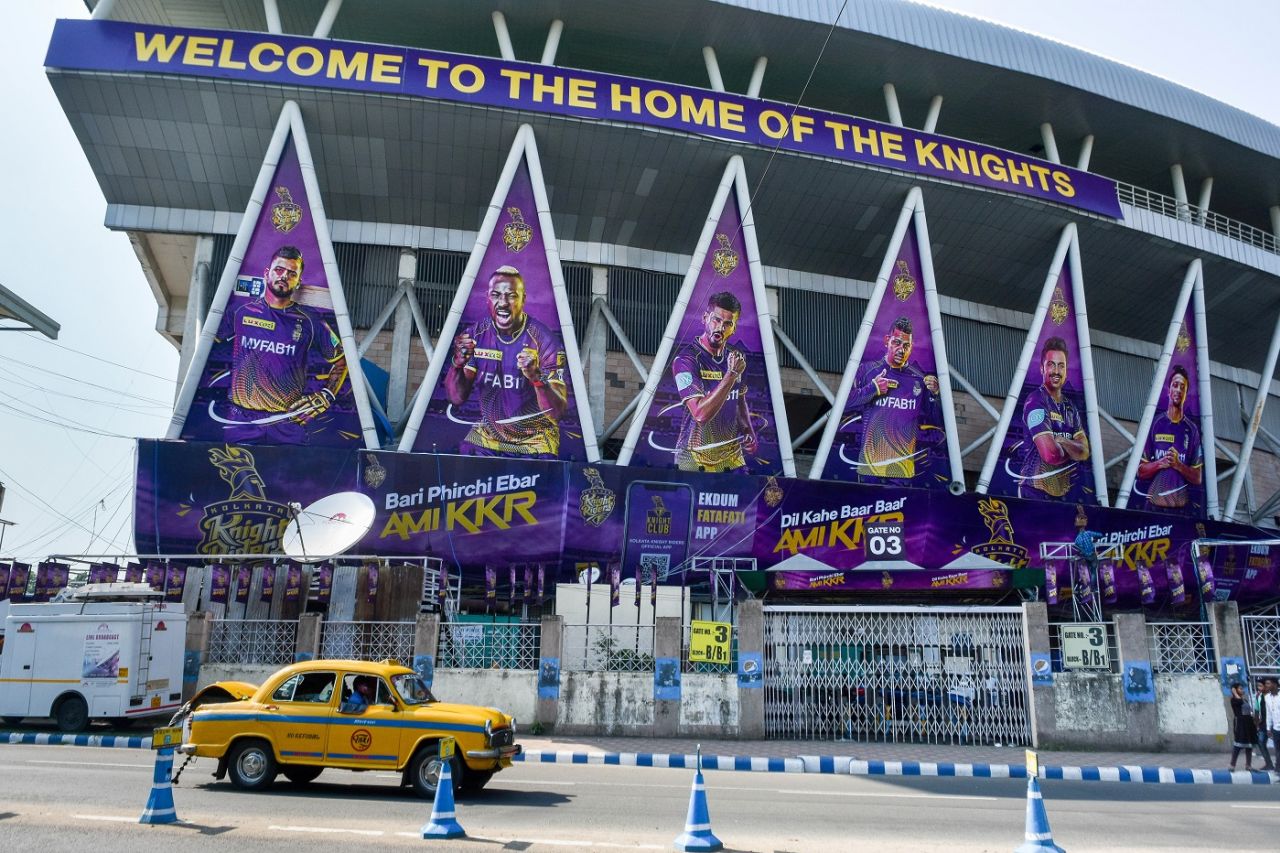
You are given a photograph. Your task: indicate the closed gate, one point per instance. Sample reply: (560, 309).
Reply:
(941, 675)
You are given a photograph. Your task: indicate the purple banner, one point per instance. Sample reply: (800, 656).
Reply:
(103, 573)
(506, 389)
(1045, 455)
(371, 588)
(4, 581)
(133, 572)
(153, 576)
(274, 59)
(175, 582)
(50, 579)
(712, 410)
(268, 583)
(243, 580)
(1171, 475)
(892, 430)
(219, 582)
(474, 512)
(276, 373)
(658, 526)
(292, 582)
(19, 577)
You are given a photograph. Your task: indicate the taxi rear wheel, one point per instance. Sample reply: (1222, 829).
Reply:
(251, 765)
(424, 771)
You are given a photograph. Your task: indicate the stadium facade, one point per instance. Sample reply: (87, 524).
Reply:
(653, 152)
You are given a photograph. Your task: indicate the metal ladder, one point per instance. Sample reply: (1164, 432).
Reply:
(144, 648)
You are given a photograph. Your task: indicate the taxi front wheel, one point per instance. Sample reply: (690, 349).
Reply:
(251, 765)
(424, 771)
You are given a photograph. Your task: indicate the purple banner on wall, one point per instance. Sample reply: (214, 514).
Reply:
(275, 59)
(506, 389)
(219, 583)
(892, 431)
(712, 410)
(1042, 458)
(292, 582)
(659, 523)
(19, 577)
(243, 580)
(1171, 475)
(276, 373)
(4, 581)
(103, 573)
(153, 576)
(133, 571)
(175, 581)
(268, 583)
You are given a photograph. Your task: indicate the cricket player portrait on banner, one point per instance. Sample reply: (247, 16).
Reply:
(1171, 474)
(515, 366)
(1054, 442)
(276, 372)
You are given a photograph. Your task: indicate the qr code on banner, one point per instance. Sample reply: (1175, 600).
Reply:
(654, 563)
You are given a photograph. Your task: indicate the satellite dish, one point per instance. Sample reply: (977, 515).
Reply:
(328, 527)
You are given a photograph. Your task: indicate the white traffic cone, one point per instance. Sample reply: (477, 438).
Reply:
(697, 833)
(1037, 835)
(444, 818)
(160, 804)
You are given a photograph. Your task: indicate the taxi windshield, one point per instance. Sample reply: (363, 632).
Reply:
(411, 689)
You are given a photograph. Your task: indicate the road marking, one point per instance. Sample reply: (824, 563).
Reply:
(94, 764)
(107, 817)
(327, 830)
(894, 796)
(554, 842)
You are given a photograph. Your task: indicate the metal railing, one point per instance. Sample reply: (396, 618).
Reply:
(368, 640)
(608, 648)
(1181, 647)
(1171, 207)
(489, 645)
(1261, 643)
(270, 641)
(1055, 646)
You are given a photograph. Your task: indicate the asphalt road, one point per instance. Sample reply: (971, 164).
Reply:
(61, 798)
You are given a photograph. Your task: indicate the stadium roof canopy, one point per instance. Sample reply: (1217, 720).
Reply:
(18, 315)
(180, 155)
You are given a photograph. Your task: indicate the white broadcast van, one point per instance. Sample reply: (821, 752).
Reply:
(99, 652)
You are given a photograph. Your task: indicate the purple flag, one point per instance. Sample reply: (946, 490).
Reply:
(133, 573)
(511, 594)
(1051, 582)
(542, 576)
(1177, 587)
(507, 387)
(154, 575)
(219, 581)
(1041, 455)
(277, 373)
(292, 582)
(891, 431)
(1083, 590)
(528, 583)
(718, 343)
(490, 587)
(4, 581)
(1107, 579)
(443, 591)
(373, 583)
(639, 584)
(268, 583)
(324, 582)
(244, 580)
(615, 581)
(1146, 585)
(175, 582)
(1170, 477)
(102, 573)
(19, 576)
(1205, 571)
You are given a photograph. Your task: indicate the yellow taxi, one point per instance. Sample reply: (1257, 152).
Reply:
(353, 715)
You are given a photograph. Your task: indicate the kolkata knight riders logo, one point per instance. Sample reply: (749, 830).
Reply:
(1183, 341)
(1001, 547)
(246, 522)
(374, 474)
(1058, 307)
(517, 233)
(772, 492)
(285, 215)
(597, 500)
(724, 260)
(904, 284)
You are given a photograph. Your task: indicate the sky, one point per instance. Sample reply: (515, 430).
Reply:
(71, 409)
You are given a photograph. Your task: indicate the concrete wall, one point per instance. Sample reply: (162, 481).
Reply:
(608, 703)
(512, 691)
(710, 706)
(1190, 708)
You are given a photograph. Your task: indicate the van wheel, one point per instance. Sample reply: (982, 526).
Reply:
(251, 765)
(424, 771)
(72, 714)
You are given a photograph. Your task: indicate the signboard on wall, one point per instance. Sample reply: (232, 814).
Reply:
(1084, 646)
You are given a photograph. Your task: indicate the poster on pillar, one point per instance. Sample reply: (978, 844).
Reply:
(505, 379)
(271, 366)
(713, 401)
(892, 428)
(1046, 451)
(1171, 475)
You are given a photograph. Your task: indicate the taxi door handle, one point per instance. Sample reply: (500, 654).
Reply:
(271, 707)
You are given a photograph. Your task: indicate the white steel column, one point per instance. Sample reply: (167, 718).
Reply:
(1251, 434)
(197, 295)
(504, 36)
(1050, 143)
(935, 110)
(327, 17)
(1206, 192)
(891, 104)
(401, 337)
(757, 77)
(595, 348)
(1275, 221)
(102, 11)
(713, 68)
(553, 42)
(1179, 189)
(1086, 153)
(272, 11)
